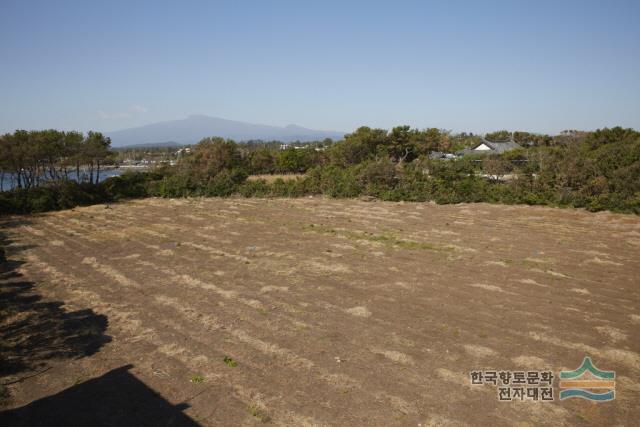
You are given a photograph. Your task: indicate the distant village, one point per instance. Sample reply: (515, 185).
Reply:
(483, 147)
(141, 158)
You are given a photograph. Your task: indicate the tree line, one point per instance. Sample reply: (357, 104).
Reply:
(594, 170)
(35, 158)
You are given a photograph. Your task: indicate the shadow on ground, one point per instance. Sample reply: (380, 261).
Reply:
(117, 398)
(34, 330)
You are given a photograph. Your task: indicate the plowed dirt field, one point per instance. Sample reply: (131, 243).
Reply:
(314, 312)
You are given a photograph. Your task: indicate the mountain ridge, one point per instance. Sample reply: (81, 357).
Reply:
(197, 126)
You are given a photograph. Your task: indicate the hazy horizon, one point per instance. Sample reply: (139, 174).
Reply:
(462, 66)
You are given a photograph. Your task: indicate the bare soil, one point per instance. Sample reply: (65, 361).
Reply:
(313, 312)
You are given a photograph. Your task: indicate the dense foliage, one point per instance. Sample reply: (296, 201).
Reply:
(595, 170)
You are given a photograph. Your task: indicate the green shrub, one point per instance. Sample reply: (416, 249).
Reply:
(258, 188)
(63, 195)
(130, 185)
(225, 183)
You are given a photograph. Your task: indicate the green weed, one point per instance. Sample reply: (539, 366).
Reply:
(230, 362)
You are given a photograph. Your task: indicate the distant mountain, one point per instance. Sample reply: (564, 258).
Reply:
(194, 128)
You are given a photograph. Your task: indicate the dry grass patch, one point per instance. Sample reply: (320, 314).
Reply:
(270, 178)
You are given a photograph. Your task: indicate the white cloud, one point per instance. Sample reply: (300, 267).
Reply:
(139, 109)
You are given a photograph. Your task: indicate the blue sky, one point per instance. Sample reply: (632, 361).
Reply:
(477, 66)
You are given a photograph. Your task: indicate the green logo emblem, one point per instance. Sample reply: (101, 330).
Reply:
(588, 382)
